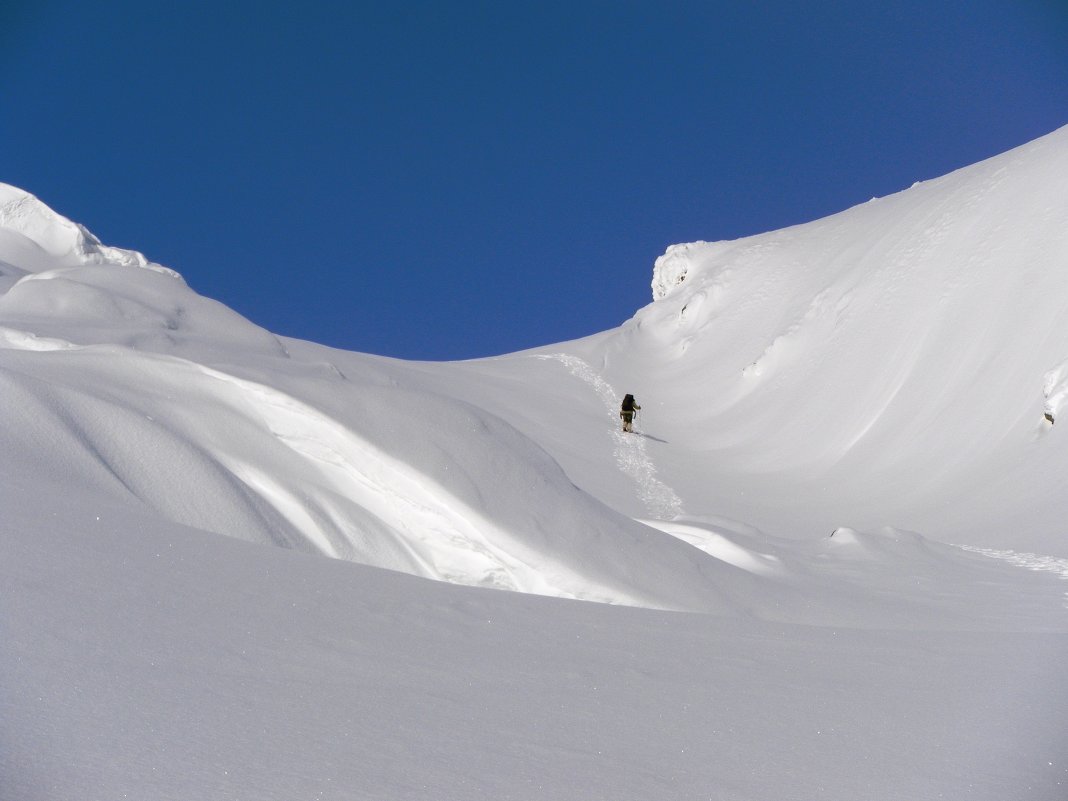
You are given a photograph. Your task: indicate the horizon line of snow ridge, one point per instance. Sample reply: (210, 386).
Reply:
(25, 214)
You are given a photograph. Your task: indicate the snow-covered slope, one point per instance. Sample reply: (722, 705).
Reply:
(845, 430)
(121, 378)
(124, 379)
(144, 660)
(889, 365)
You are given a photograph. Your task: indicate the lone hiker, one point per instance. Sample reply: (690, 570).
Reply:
(628, 410)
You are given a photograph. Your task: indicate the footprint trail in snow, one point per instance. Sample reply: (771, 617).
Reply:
(630, 454)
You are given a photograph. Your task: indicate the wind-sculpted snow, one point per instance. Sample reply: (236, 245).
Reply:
(124, 305)
(49, 240)
(208, 449)
(169, 401)
(779, 374)
(824, 409)
(671, 269)
(129, 382)
(121, 379)
(891, 364)
(468, 498)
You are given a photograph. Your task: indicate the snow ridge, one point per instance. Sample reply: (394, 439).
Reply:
(442, 535)
(72, 243)
(630, 452)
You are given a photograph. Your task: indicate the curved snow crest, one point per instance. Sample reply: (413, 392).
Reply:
(58, 283)
(211, 450)
(672, 269)
(451, 540)
(95, 304)
(630, 453)
(919, 338)
(24, 214)
(373, 474)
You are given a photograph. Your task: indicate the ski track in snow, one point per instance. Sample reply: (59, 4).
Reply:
(1030, 561)
(630, 454)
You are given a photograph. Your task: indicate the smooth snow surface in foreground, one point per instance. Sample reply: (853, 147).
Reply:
(831, 561)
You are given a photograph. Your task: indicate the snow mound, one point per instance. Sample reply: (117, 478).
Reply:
(672, 269)
(60, 240)
(60, 284)
(119, 304)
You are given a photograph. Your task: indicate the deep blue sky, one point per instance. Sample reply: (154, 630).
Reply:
(446, 180)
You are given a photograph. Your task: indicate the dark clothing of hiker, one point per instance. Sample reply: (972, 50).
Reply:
(628, 410)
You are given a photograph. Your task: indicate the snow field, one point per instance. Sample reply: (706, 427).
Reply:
(148, 660)
(826, 407)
